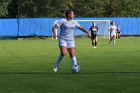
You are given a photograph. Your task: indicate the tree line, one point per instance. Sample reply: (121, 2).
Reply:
(56, 8)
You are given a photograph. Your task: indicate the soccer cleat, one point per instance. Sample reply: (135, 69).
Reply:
(55, 69)
(94, 46)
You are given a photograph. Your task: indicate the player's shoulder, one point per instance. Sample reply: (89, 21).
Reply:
(115, 26)
(62, 20)
(91, 27)
(74, 21)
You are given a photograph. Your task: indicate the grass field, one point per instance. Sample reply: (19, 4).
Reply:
(26, 66)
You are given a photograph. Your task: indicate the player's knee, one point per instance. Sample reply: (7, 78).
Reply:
(71, 55)
(63, 54)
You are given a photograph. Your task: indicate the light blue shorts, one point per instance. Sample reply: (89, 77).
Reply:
(67, 43)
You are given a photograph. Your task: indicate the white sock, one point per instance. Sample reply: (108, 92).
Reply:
(58, 60)
(114, 42)
(73, 61)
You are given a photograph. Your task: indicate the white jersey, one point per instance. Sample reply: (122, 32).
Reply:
(113, 29)
(67, 29)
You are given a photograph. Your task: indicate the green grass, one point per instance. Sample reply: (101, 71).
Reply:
(26, 66)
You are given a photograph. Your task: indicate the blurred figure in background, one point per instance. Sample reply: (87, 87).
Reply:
(118, 36)
(113, 31)
(94, 31)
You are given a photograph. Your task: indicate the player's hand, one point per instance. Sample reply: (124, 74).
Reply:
(89, 34)
(54, 36)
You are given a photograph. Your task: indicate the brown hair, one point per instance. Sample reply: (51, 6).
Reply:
(68, 12)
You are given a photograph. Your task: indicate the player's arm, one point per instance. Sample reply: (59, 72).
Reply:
(109, 29)
(81, 28)
(54, 31)
(97, 29)
(90, 28)
(84, 30)
(57, 25)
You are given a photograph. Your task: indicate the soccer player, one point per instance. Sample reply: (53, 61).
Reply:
(113, 31)
(66, 37)
(118, 32)
(94, 31)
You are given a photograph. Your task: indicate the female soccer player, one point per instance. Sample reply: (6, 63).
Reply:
(118, 32)
(66, 37)
(113, 31)
(94, 30)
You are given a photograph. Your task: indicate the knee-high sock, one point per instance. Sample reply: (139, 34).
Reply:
(92, 43)
(73, 61)
(114, 42)
(95, 43)
(110, 40)
(58, 60)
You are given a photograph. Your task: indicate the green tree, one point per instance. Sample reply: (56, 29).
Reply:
(31, 8)
(56, 8)
(13, 9)
(3, 8)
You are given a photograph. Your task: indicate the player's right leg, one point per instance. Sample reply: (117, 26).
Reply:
(92, 41)
(110, 39)
(114, 39)
(119, 35)
(116, 35)
(63, 51)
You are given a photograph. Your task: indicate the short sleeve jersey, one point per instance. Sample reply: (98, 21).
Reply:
(93, 30)
(113, 29)
(67, 29)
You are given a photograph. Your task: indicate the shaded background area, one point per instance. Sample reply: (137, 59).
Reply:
(36, 17)
(56, 8)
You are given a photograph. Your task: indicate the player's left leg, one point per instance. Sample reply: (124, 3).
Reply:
(71, 50)
(72, 56)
